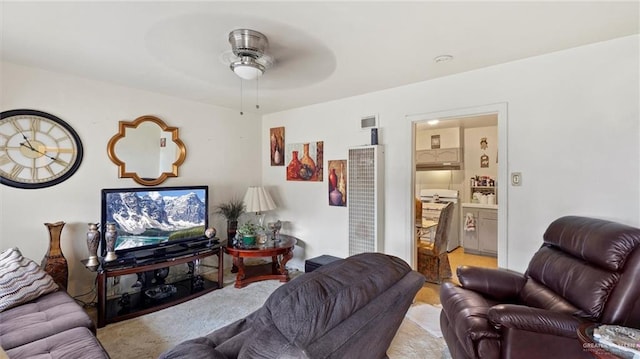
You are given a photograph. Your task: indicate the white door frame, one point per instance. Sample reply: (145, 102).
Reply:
(503, 169)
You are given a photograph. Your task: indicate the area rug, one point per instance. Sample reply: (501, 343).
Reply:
(146, 337)
(427, 316)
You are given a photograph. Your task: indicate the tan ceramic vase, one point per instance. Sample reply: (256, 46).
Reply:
(93, 240)
(54, 261)
(110, 238)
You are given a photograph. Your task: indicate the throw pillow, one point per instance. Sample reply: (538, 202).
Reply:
(21, 279)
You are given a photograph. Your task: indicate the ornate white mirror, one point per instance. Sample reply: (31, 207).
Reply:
(147, 150)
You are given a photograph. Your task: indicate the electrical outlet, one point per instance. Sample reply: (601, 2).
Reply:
(516, 178)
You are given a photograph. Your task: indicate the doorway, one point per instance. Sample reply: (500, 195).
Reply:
(458, 178)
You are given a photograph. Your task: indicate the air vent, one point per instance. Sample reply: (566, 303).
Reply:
(368, 122)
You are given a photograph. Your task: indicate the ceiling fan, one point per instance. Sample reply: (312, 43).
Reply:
(248, 58)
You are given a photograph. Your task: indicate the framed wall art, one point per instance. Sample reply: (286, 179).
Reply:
(337, 183)
(276, 140)
(304, 161)
(435, 141)
(484, 161)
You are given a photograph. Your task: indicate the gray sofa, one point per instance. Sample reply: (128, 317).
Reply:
(349, 308)
(51, 325)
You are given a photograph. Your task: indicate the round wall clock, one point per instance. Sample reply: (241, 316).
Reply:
(37, 149)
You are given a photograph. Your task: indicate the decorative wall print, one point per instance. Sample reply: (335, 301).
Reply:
(484, 161)
(277, 146)
(483, 143)
(435, 141)
(338, 183)
(304, 161)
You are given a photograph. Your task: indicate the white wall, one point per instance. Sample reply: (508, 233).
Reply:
(573, 132)
(223, 152)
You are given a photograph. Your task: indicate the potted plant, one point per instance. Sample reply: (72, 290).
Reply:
(231, 211)
(249, 232)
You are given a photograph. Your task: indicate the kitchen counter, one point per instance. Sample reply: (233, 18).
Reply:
(480, 205)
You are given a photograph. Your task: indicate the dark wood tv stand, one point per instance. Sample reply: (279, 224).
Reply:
(135, 303)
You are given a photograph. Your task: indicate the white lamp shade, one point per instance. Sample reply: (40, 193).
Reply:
(247, 72)
(257, 199)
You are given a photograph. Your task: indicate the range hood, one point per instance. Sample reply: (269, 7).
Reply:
(432, 166)
(439, 159)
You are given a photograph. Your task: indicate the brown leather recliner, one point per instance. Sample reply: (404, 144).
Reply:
(586, 270)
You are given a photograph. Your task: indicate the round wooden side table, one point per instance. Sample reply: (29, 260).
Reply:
(280, 252)
(585, 335)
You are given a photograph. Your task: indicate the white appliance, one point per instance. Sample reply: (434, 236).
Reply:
(433, 200)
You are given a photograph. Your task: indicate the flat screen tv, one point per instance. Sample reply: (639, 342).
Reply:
(155, 217)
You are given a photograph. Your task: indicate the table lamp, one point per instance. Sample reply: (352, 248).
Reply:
(258, 200)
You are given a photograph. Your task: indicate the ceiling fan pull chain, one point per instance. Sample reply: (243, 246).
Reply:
(241, 113)
(257, 94)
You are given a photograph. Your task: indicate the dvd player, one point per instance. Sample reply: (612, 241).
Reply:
(119, 262)
(198, 244)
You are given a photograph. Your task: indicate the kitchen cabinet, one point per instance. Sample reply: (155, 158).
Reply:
(440, 155)
(451, 137)
(488, 231)
(484, 239)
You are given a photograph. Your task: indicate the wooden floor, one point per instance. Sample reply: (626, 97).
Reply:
(457, 257)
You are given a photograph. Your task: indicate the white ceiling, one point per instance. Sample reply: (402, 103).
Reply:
(323, 50)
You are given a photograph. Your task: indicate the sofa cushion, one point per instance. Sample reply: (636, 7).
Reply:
(604, 243)
(21, 279)
(349, 308)
(583, 285)
(49, 314)
(76, 343)
(313, 304)
(373, 327)
(535, 295)
(198, 348)
(336, 310)
(272, 344)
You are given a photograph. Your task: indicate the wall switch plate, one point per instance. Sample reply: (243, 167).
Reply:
(516, 178)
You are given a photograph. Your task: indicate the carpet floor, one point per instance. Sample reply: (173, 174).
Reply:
(146, 337)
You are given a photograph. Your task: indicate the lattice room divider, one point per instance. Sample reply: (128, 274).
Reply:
(365, 193)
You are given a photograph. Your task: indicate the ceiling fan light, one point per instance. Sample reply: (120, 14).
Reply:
(247, 72)
(247, 69)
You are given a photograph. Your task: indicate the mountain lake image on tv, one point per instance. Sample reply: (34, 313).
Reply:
(148, 218)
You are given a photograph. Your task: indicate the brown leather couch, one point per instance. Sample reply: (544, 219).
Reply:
(587, 270)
